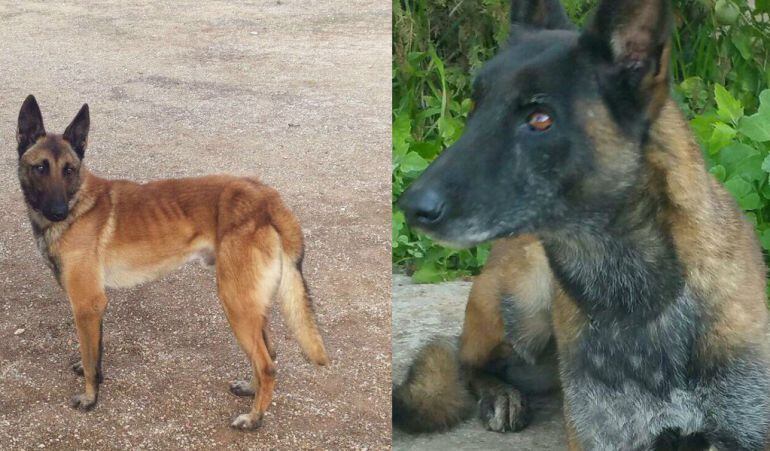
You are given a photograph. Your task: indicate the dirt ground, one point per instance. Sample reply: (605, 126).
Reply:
(296, 92)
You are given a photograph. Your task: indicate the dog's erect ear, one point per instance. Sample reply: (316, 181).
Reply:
(634, 38)
(77, 132)
(30, 126)
(548, 14)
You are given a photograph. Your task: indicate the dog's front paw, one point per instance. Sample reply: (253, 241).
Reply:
(83, 402)
(504, 411)
(242, 388)
(247, 422)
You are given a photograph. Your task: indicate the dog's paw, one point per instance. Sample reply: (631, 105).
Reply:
(77, 368)
(504, 411)
(83, 402)
(242, 388)
(247, 422)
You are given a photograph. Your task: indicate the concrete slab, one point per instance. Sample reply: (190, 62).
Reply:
(422, 311)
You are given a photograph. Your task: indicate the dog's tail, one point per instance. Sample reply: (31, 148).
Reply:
(296, 305)
(434, 396)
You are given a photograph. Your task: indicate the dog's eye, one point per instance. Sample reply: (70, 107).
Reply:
(39, 168)
(539, 121)
(69, 170)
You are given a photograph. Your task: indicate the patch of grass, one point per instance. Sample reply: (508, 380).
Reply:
(720, 70)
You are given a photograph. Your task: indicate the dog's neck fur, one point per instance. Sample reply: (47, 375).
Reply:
(47, 233)
(625, 261)
(613, 265)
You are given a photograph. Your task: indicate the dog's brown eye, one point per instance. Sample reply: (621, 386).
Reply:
(539, 121)
(68, 170)
(39, 168)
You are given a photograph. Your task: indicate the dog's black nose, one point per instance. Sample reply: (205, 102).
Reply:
(423, 207)
(57, 212)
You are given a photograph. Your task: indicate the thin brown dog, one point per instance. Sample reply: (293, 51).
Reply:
(98, 233)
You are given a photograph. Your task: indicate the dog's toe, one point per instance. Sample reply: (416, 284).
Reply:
(83, 402)
(504, 411)
(242, 388)
(77, 368)
(247, 422)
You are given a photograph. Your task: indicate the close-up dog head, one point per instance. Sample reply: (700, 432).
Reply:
(49, 164)
(559, 122)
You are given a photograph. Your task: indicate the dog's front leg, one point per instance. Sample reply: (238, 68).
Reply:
(88, 301)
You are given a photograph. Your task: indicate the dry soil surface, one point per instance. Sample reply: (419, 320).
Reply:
(424, 311)
(296, 92)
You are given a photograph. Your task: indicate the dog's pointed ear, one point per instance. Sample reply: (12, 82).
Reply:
(77, 132)
(30, 126)
(547, 14)
(633, 40)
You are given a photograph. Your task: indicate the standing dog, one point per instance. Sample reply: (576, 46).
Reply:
(629, 260)
(98, 233)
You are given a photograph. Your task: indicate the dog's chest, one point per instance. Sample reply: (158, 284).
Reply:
(655, 353)
(638, 374)
(46, 240)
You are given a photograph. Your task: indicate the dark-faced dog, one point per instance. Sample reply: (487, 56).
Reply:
(619, 253)
(96, 233)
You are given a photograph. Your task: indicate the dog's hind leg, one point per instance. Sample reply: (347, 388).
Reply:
(248, 274)
(268, 341)
(88, 301)
(246, 388)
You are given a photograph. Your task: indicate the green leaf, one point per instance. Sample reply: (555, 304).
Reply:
(450, 129)
(691, 86)
(729, 108)
(719, 172)
(704, 126)
(721, 136)
(412, 163)
(427, 149)
(764, 101)
(764, 238)
(482, 254)
(751, 168)
(734, 154)
(742, 42)
(744, 193)
(743, 160)
(428, 273)
(756, 127)
(402, 130)
(766, 164)
(738, 187)
(398, 222)
(751, 201)
(466, 106)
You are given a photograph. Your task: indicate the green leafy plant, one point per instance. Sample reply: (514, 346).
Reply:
(720, 70)
(737, 152)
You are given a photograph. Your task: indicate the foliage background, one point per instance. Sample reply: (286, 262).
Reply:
(720, 74)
